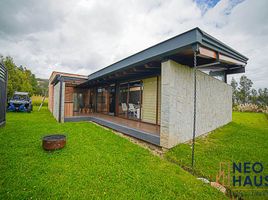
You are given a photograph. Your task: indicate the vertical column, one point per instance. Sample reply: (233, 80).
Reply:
(96, 99)
(117, 99)
(60, 100)
(176, 103)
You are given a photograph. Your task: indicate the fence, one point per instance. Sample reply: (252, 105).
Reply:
(3, 94)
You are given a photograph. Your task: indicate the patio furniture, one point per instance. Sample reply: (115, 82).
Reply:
(124, 107)
(53, 142)
(134, 110)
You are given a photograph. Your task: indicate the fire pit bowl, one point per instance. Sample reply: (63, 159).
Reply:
(53, 142)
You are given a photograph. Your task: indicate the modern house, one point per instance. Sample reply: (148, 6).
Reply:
(150, 95)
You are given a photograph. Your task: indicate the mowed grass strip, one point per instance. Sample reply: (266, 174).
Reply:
(245, 139)
(95, 164)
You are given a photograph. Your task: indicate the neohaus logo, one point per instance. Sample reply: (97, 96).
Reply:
(244, 176)
(253, 174)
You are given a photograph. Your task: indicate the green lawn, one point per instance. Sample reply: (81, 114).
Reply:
(96, 163)
(243, 140)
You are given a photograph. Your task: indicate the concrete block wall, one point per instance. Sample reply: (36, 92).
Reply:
(56, 101)
(214, 103)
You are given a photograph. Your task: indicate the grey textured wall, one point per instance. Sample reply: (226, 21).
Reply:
(214, 104)
(57, 100)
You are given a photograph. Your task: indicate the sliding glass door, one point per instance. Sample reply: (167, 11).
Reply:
(130, 100)
(102, 100)
(123, 100)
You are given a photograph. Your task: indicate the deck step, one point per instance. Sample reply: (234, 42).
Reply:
(142, 135)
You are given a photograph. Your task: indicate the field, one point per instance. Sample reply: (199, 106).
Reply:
(243, 140)
(95, 164)
(37, 100)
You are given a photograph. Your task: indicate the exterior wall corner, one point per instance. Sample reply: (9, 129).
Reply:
(214, 103)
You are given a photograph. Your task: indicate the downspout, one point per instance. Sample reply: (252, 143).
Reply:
(195, 50)
(225, 77)
(60, 99)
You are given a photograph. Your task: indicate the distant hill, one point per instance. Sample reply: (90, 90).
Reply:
(42, 86)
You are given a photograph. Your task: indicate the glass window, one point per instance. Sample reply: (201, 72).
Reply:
(130, 100)
(102, 100)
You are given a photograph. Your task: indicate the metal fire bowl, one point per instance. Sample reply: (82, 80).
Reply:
(53, 142)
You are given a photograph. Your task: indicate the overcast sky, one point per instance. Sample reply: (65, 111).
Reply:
(82, 36)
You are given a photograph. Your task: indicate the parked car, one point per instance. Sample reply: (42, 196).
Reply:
(20, 102)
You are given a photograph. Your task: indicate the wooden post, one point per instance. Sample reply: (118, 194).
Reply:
(157, 82)
(127, 98)
(96, 99)
(117, 92)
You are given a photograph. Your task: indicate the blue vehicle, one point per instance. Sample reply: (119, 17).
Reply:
(20, 102)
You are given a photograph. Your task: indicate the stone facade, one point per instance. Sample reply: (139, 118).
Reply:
(214, 104)
(57, 100)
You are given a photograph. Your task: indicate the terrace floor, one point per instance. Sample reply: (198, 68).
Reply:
(141, 130)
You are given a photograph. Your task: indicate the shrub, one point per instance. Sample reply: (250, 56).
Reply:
(249, 107)
(265, 110)
(37, 100)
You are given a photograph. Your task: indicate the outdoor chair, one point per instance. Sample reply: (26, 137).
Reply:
(133, 110)
(124, 107)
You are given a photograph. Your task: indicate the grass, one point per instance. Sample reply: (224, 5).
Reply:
(243, 140)
(37, 100)
(95, 164)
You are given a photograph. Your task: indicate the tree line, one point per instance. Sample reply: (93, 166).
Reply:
(22, 79)
(243, 93)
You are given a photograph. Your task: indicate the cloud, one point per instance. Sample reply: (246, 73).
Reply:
(83, 36)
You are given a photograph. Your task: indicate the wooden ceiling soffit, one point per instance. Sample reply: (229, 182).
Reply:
(207, 53)
(230, 60)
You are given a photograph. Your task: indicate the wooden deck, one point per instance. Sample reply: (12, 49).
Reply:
(144, 131)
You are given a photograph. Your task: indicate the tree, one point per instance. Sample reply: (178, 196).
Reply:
(244, 89)
(263, 97)
(234, 85)
(19, 78)
(42, 88)
(13, 78)
(254, 96)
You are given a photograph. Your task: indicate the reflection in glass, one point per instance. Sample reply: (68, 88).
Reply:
(130, 100)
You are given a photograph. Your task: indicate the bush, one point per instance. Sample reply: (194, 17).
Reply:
(249, 107)
(37, 100)
(265, 110)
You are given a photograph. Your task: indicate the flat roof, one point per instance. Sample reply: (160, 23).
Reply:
(54, 73)
(67, 77)
(167, 48)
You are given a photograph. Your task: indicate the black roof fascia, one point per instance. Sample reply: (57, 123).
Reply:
(216, 45)
(159, 50)
(58, 77)
(167, 48)
(55, 79)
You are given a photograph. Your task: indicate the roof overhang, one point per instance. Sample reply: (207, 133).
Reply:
(59, 77)
(181, 49)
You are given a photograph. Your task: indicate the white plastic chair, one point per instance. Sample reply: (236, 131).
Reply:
(132, 109)
(124, 107)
